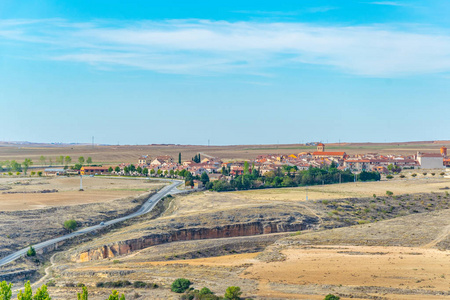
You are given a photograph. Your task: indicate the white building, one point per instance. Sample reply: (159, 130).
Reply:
(430, 160)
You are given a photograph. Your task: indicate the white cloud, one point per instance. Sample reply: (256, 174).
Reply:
(389, 3)
(215, 47)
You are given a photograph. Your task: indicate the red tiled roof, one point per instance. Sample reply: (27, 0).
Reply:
(329, 153)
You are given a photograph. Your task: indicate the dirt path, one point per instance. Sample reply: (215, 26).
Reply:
(439, 238)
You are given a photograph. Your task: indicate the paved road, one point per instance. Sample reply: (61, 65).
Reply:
(145, 208)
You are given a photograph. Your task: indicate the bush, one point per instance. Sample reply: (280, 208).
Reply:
(70, 225)
(402, 176)
(144, 285)
(432, 174)
(31, 251)
(40, 173)
(413, 174)
(180, 285)
(389, 176)
(332, 297)
(389, 193)
(205, 291)
(424, 173)
(442, 173)
(233, 293)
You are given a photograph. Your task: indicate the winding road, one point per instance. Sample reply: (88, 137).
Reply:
(145, 208)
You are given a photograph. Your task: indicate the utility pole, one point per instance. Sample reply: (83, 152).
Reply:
(81, 182)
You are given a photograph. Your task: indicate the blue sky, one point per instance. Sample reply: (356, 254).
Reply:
(234, 72)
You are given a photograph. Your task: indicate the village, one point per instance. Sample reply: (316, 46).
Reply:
(167, 166)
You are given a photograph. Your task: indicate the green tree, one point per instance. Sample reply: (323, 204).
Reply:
(117, 169)
(83, 295)
(31, 251)
(205, 291)
(5, 290)
(125, 170)
(70, 225)
(26, 164)
(89, 160)
(110, 169)
(180, 285)
(33, 173)
(81, 160)
(27, 294)
(172, 172)
(115, 296)
(204, 178)
(42, 294)
(139, 170)
(60, 160)
(14, 166)
(145, 171)
(42, 160)
(332, 297)
(152, 172)
(179, 158)
(233, 293)
(159, 172)
(39, 173)
(68, 160)
(246, 168)
(166, 173)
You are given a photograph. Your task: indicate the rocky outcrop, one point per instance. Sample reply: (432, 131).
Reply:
(16, 275)
(187, 234)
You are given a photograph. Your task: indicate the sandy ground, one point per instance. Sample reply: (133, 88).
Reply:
(96, 189)
(392, 267)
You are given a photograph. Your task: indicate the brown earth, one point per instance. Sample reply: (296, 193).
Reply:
(15, 194)
(128, 153)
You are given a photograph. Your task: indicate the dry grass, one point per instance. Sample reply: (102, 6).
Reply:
(117, 154)
(96, 189)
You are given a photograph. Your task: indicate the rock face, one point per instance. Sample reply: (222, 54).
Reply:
(186, 234)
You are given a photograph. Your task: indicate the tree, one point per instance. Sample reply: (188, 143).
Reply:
(204, 178)
(31, 251)
(115, 296)
(110, 169)
(180, 285)
(14, 166)
(152, 172)
(389, 193)
(233, 293)
(246, 168)
(5, 290)
(172, 172)
(83, 295)
(33, 173)
(27, 294)
(42, 294)
(117, 169)
(60, 160)
(179, 158)
(139, 170)
(166, 173)
(39, 173)
(89, 160)
(332, 297)
(125, 170)
(205, 291)
(81, 160)
(42, 160)
(159, 172)
(145, 171)
(68, 160)
(26, 164)
(70, 225)
(77, 166)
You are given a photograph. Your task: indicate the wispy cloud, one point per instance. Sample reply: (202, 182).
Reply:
(389, 3)
(215, 47)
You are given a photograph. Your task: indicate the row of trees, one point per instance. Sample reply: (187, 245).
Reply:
(14, 166)
(289, 176)
(64, 160)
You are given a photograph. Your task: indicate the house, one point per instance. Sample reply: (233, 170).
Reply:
(54, 172)
(144, 160)
(93, 170)
(198, 184)
(430, 160)
(165, 158)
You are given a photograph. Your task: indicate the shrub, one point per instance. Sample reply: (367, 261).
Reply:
(233, 293)
(424, 173)
(442, 173)
(413, 174)
(432, 174)
(402, 176)
(374, 195)
(332, 297)
(70, 225)
(389, 176)
(205, 291)
(180, 285)
(389, 193)
(39, 173)
(31, 251)
(81, 285)
(33, 173)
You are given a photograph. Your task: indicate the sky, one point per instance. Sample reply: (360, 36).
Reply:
(231, 72)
